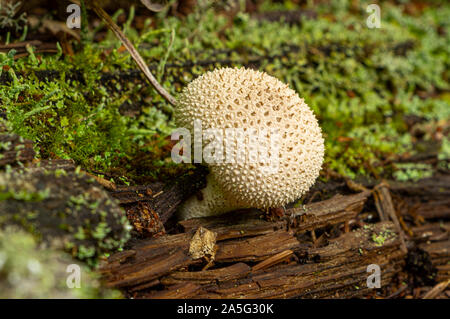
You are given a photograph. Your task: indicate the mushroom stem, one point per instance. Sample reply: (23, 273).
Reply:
(212, 202)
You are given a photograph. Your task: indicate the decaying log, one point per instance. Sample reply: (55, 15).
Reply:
(14, 150)
(290, 17)
(256, 248)
(260, 259)
(67, 165)
(434, 240)
(339, 266)
(236, 224)
(148, 260)
(233, 272)
(335, 210)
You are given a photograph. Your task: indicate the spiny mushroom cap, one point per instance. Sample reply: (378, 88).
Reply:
(249, 99)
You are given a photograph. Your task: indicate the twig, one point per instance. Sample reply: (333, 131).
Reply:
(386, 210)
(398, 292)
(134, 53)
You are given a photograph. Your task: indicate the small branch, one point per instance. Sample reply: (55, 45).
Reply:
(134, 53)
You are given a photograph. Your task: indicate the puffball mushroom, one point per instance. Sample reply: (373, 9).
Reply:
(248, 99)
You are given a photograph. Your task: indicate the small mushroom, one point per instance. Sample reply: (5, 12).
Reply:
(247, 99)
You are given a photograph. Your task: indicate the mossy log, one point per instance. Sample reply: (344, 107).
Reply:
(66, 210)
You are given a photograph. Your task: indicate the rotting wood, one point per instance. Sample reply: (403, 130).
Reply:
(235, 271)
(14, 150)
(154, 266)
(258, 258)
(431, 232)
(439, 253)
(275, 259)
(333, 270)
(428, 197)
(179, 291)
(256, 248)
(335, 210)
(144, 219)
(149, 207)
(386, 210)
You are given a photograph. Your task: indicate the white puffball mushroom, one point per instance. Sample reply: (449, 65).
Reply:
(248, 99)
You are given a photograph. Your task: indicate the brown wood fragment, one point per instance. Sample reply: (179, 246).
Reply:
(335, 210)
(386, 210)
(146, 285)
(432, 232)
(429, 198)
(439, 253)
(247, 223)
(150, 206)
(256, 248)
(235, 271)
